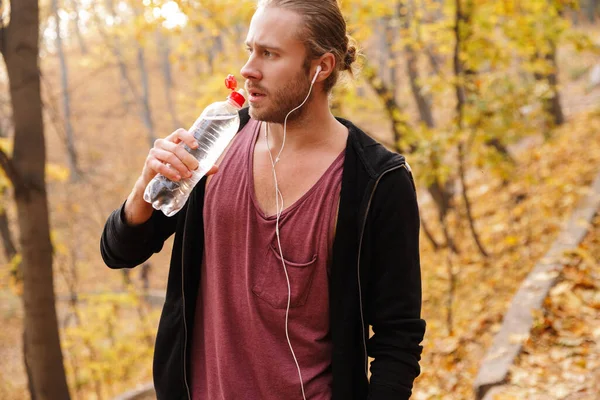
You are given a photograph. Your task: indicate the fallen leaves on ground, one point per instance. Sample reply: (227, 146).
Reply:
(561, 360)
(517, 223)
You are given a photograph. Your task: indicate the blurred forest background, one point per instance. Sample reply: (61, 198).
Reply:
(495, 103)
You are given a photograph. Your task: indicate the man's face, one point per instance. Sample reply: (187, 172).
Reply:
(276, 73)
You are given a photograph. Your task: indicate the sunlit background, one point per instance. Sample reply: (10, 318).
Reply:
(499, 173)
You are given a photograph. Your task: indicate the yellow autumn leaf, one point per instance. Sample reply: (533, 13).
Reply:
(57, 173)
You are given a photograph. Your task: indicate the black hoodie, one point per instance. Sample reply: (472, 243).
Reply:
(375, 277)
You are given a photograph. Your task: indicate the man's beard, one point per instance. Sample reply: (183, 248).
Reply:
(284, 100)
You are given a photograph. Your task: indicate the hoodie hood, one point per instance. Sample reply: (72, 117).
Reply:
(373, 155)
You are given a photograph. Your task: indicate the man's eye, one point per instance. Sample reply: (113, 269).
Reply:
(267, 53)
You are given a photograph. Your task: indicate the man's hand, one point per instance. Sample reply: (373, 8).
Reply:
(168, 158)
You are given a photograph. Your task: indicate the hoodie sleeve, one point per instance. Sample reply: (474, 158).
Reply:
(393, 303)
(125, 246)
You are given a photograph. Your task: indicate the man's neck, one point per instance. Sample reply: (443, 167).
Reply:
(317, 127)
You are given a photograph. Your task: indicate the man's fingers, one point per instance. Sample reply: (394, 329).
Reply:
(163, 169)
(173, 137)
(186, 158)
(186, 137)
(167, 157)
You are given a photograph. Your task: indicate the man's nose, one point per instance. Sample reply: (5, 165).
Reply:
(250, 71)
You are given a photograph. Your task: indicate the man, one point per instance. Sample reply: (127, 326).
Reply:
(306, 237)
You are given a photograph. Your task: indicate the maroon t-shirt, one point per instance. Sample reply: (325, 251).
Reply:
(240, 350)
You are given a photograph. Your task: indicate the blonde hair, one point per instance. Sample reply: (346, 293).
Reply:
(324, 31)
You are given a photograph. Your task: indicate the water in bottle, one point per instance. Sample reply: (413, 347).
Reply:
(213, 130)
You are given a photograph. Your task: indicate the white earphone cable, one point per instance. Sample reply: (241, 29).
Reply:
(279, 211)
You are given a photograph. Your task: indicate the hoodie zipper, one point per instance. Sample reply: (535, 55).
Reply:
(185, 329)
(362, 232)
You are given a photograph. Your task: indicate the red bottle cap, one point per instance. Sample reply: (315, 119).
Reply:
(238, 98)
(231, 82)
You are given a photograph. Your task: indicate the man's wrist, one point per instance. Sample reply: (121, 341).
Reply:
(137, 210)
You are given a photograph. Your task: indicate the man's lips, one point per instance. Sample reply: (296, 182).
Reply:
(255, 91)
(255, 95)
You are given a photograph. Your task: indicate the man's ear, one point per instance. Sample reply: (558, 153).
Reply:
(327, 64)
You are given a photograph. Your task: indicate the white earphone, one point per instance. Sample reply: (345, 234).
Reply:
(316, 74)
(279, 207)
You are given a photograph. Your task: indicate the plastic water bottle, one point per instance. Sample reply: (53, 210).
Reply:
(214, 129)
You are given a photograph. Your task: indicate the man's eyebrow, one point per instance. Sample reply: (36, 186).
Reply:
(265, 46)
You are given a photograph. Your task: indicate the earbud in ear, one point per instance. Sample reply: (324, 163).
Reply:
(316, 74)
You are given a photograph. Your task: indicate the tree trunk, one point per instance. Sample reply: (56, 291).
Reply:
(441, 194)
(145, 99)
(451, 293)
(591, 8)
(145, 96)
(28, 372)
(381, 50)
(64, 75)
(20, 50)
(165, 62)
(80, 40)
(423, 103)
(462, 21)
(443, 197)
(115, 46)
(429, 235)
(461, 98)
(467, 201)
(215, 49)
(198, 52)
(142, 100)
(404, 141)
(403, 132)
(123, 88)
(430, 17)
(392, 53)
(553, 104)
(385, 54)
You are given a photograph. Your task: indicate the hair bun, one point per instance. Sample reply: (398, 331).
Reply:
(350, 57)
